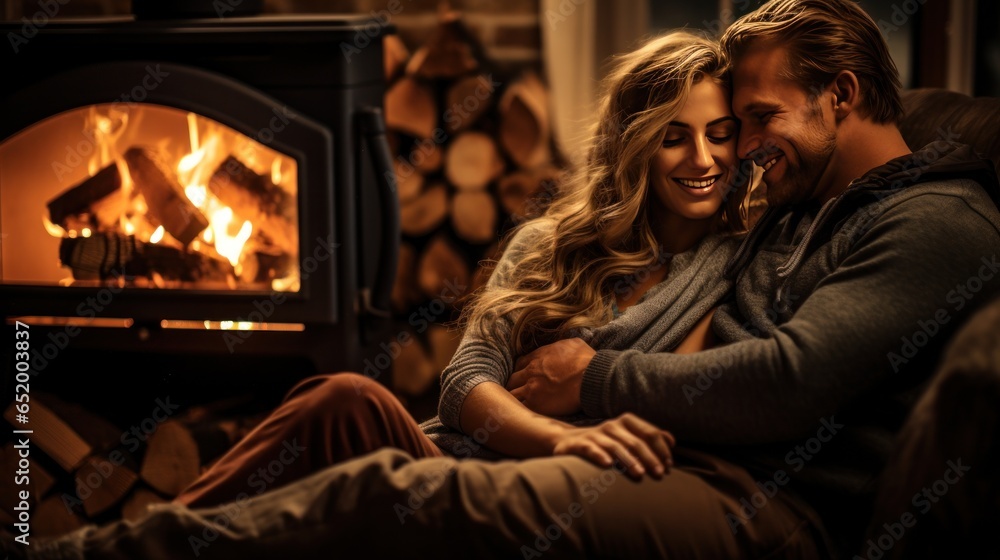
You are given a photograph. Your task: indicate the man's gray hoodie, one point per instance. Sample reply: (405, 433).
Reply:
(838, 316)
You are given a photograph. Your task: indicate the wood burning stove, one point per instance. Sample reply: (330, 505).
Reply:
(203, 196)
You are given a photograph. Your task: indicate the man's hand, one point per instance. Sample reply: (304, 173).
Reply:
(548, 380)
(638, 445)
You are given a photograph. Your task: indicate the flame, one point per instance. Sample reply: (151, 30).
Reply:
(276, 171)
(157, 235)
(229, 246)
(197, 194)
(85, 232)
(193, 169)
(290, 283)
(190, 161)
(53, 229)
(105, 129)
(193, 130)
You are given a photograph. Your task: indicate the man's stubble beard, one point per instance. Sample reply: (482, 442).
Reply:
(814, 151)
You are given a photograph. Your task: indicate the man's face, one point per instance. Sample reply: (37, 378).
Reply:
(784, 128)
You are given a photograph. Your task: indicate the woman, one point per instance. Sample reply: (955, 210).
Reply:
(630, 256)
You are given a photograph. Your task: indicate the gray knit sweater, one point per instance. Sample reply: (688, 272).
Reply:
(658, 322)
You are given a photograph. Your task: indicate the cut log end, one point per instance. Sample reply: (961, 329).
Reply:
(424, 213)
(103, 482)
(171, 461)
(138, 502)
(410, 107)
(413, 371)
(472, 161)
(524, 123)
(441, 267)
(474, 216)
(449, 53)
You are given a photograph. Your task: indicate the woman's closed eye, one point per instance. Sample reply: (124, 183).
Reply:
(720, 139)
(715, 138)
(722, 133)
(670, 142)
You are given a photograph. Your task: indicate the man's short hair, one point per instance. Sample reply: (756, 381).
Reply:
(824, 37)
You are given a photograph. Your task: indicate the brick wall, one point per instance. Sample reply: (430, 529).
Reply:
(508, 29)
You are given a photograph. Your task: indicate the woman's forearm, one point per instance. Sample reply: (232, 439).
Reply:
(497, 420)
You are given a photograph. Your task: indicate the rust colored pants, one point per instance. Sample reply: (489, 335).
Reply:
(324, 420)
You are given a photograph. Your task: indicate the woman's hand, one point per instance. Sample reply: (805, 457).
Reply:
(638, 445)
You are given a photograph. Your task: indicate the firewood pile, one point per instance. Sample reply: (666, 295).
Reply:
(86, 469)
(474, 156)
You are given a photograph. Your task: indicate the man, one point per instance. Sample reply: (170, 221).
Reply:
(846, 290)
(793, 414)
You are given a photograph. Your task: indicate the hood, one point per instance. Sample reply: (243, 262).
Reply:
(937, 161)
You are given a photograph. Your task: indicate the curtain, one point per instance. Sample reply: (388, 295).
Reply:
(579, 37)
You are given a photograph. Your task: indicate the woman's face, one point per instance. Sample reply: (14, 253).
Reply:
(690, 173)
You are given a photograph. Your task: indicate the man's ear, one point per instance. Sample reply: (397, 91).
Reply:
(846, 93)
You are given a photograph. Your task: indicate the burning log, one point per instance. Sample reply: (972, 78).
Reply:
(267, 266)
(80, 198)
(110, 255)
(253, 197)
(165, 199)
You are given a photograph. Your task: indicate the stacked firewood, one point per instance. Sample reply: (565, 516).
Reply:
(85, 468)
(474, 156)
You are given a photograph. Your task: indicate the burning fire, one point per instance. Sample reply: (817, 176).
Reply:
(221, 220)
(209, 200)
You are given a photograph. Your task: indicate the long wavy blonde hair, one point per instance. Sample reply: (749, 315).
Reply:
(596, 230)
